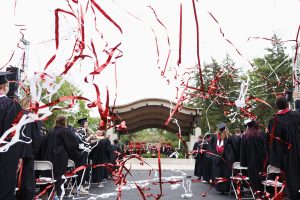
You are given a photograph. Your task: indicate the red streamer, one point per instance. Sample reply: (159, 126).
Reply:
(180, 37)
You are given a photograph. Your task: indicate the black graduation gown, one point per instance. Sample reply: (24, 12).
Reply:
(253, 156)
(285, 151)
(115, 150)
(207, 163)
(199, 160)
(29, 152)
(9, 110)
(81, 136)
(221, 168)
(59, 146)
(236, 145)
(100, 154)
(32, 130)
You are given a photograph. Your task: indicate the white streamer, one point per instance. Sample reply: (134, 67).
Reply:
(62, 187)
(241, 101)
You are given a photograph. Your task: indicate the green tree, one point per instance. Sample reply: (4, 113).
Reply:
(272, 77)
(68, 89)
(222, 82)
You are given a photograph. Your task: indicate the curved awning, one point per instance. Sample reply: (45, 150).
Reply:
(153, 113)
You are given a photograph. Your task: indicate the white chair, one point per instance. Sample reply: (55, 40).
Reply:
(272, 182)
(45, 166)
(72, 178)
(237, 169)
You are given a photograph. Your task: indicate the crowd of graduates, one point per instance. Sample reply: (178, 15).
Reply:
(58, 145)
(277, 146)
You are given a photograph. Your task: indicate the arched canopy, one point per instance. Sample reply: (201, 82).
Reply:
(153, 113)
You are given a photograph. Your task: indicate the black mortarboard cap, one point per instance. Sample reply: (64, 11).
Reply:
(81, 121)
(221, 126)
(250, 123)
(3, 78)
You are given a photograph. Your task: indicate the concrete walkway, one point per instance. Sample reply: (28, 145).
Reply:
(166, 164)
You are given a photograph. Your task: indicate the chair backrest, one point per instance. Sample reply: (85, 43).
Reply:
(271, 169)
(43, 165)
(71, 163)
(237, 165)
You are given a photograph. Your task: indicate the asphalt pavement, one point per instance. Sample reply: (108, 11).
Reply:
(184, 189)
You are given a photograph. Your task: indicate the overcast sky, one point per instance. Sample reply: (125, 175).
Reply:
(138, 74)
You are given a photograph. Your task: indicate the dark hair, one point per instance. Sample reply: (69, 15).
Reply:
(281, 103)
(252, 129)
(116, 141)
(60, 121)
(200, 137)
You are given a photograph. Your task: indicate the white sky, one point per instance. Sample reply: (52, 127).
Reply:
(137, 71)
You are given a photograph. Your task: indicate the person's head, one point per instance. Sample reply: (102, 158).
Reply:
(200, 137)
(221, 126)
(222, 129)
(4, 85)
(4, 88)
(208, 136)
(116, 141)
(83, 122)
(60, 121)
(281, 103)
(252, 128)
(100, 133)
(26, 102)
(237, 131)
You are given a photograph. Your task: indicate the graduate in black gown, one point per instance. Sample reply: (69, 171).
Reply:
(199, 157)
(116, 151)
(253, 154)
(237, 138)
(31, 131)
(60, 146)
(221, 145)
(101, 154)
(284, 142)
(85, 138)
(9, 110)
(207, 160)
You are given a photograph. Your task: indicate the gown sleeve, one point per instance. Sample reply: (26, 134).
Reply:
(72, 146)
(37, 137)
(109, 150)
(229, 151)
(12, 111)
(243, 152)
(195, 147)
(276, 146)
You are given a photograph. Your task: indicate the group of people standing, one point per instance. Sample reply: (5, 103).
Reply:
(215, 153)
(84, 148)
(57, 145)
(279, 147)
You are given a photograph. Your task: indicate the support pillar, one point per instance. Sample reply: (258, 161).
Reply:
(193, 138)
(111, 134)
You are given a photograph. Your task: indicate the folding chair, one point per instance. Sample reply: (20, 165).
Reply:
(237, 169)
(45, 166)
(71, 177)
(272, 182)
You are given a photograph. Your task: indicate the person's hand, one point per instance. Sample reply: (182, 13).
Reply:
(93, 137)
